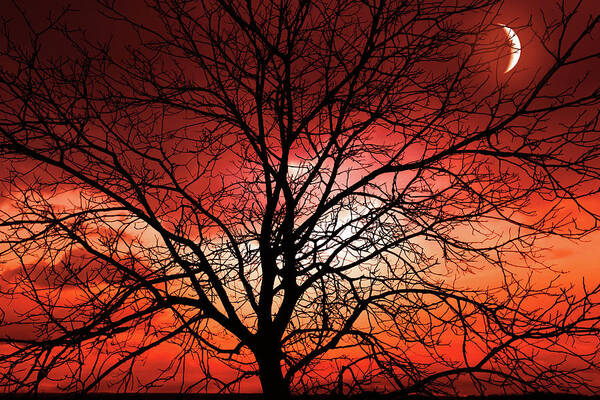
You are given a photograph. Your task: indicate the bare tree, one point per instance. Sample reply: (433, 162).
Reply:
(302, 190)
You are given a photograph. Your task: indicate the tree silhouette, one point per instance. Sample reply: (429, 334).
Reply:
(331, 196)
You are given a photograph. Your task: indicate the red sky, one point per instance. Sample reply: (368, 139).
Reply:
(580, 260)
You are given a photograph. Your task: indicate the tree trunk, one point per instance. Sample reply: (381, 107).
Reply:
(273, 384)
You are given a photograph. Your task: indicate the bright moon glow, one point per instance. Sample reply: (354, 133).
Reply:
(515, 47)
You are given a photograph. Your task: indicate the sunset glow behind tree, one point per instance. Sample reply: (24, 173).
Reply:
(299, 196)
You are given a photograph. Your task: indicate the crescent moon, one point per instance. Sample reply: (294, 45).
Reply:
(515, 47)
